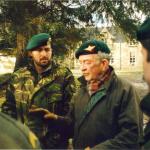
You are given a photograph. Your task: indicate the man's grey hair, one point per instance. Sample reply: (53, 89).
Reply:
(103, 55)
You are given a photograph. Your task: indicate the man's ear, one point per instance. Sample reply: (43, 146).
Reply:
(105, 62)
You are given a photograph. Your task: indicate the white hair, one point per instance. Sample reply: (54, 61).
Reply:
(102, 55)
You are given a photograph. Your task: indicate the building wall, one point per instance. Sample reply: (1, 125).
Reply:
(126, 57)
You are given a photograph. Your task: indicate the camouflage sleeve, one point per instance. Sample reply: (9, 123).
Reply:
(9, 105)
(69, 90)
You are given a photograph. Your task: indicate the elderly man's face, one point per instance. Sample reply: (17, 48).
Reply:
(146, 65)
(91, 66)
(41, 56)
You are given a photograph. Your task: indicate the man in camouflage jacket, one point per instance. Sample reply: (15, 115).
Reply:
(39, 95)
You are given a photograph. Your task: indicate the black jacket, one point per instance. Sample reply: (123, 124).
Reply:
(109, 119)
(145, 107)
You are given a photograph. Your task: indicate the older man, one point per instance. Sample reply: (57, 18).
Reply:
(39, 94)
(143, 35)
(106, 107)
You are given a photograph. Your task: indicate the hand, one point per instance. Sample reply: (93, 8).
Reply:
(38, 111)
(50, 115)
(41, 111)
(87, 148)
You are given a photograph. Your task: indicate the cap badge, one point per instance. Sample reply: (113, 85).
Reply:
(49, 41)
(90, 48)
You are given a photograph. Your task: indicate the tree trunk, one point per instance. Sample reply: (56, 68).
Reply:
(20, 42)
(21, 55)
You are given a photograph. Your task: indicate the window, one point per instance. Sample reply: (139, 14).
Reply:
(132, 58)
(112, 60)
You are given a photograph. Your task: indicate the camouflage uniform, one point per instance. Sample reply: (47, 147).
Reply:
(51, 90)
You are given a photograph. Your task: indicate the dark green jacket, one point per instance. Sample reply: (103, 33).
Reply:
(14, 135)
(145, 107)
(110, 118)
(52, 90)
(146, 140)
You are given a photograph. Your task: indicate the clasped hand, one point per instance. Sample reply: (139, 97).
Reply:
(46, 114)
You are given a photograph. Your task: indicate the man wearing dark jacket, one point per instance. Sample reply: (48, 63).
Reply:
(143, 35)
(106, 109)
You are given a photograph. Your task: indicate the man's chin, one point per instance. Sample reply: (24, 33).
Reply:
(87, 78)
(44, 64)
(44, 61)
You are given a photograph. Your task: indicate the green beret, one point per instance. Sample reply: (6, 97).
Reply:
(143, 32)
(145, 104)
(37, 41)
(92, 47)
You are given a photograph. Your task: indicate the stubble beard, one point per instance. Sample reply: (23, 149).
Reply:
(42, 65)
